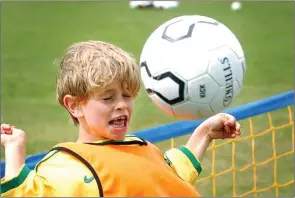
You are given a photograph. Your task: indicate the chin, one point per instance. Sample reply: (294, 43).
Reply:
(118, 133)
(117, 136)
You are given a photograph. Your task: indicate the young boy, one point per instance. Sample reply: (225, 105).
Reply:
(97, 84)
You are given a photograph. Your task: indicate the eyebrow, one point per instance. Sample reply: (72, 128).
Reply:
(109, 90)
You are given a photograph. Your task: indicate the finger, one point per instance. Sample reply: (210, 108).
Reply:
(227, 129)
(229, 124)
(6, 131)
(5, 126)
(230, 135)
(236, 129)
(232, 123)
(231, 120)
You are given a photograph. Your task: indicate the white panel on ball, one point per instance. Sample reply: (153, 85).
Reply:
(202, 89)
(190, 110)
(157, 59)
(161, 104)
(224, 65)
(167, 87)
(146, 80)
(244, 68)
(238, 67)
(237, 88)
(231, 40)
(191, 65)
(224, 97)
(206, 34)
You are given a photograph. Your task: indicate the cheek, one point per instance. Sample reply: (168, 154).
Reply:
(95, 112)
(130, 105)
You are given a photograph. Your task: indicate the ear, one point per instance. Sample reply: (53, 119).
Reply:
(73, 105)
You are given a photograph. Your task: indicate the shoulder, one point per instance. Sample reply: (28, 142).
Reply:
(60, 161)
(66, 174)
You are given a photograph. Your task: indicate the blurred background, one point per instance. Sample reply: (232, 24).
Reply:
(34, 36)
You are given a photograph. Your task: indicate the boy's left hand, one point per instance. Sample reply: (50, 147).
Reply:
(221, 126)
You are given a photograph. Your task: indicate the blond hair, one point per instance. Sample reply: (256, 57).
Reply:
(91, 66)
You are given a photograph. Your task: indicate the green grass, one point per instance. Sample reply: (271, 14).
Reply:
(35, 34)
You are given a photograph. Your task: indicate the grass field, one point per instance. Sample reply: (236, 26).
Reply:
(34, 36)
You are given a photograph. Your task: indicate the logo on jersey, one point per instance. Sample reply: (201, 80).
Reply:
(88, 180)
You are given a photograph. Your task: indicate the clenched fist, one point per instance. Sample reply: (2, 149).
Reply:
(222, 126)
(10, 135)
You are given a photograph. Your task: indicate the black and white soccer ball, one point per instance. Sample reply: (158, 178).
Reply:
(192, 67)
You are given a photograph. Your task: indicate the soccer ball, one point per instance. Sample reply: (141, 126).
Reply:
(192, 67)
(236, 6)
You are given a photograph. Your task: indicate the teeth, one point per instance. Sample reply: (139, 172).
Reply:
(118, 125)
(121, 118)
(119, 122)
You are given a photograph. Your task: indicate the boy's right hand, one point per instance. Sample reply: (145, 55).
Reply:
(11, 136)
(14, 141)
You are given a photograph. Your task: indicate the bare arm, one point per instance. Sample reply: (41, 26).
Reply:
(199, 142)
(14, 160)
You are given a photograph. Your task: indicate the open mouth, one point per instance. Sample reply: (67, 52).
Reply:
(119, 122)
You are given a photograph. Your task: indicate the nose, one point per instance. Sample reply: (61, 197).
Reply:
(121, 104)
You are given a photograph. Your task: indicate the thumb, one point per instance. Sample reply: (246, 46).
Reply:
(228, 120)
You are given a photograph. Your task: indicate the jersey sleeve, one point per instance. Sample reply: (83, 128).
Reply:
(26, 184)
(57, 176)
(184, 163)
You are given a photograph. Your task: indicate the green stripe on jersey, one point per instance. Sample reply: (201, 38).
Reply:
(192, 158)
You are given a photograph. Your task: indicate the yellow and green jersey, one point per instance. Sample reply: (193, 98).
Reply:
(131, 167)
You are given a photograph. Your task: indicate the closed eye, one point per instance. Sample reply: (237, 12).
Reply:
(107, 98)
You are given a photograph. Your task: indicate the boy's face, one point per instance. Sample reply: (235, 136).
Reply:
(108, 114)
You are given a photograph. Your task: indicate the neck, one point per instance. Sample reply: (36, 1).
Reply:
(87, 135)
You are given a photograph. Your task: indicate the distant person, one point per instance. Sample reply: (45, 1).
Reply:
(154, 4)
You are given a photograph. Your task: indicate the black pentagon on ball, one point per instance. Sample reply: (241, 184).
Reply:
(187, 35)
(174, 78)
(172, 40)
